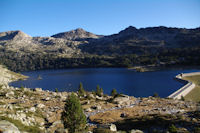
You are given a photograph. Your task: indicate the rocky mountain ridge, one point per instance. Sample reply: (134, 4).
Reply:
(132, 40)
(128, 39)
(79, 48)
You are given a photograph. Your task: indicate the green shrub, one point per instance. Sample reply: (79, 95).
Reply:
(113, 92)
(99, 91)
(56, 89)
(22, 88)
(172, 129)
(182, 98)
(197, 130)
(155, 95)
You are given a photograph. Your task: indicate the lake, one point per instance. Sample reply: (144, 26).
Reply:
(124, 80)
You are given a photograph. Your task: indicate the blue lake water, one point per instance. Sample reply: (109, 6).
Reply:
(126, 81)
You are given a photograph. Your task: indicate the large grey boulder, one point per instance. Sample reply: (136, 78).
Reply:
(7, 127)
(38, 89)
(10, 94)
(40, 105)
(121, 99)
(136, 131)
(111, 127)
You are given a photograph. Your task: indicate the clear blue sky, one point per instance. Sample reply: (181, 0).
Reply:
(47, 17)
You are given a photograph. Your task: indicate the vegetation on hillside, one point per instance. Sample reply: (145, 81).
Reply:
(37, 61)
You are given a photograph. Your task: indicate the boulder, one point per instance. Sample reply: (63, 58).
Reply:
(99, 98)
(46, 99)
(9, 106)
(32, 109)
(52, 118)
(136, 131)
(40, 105)
(57, 127)
(121, 99)
(10, 94)
(88, 110)
(123, 115)
(91, 95)
(38, 89)
(97, 107)
(111, 127)
(7, 127)
(61, 130)
(40, 121)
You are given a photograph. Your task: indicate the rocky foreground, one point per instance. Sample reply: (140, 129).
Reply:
(35, 110)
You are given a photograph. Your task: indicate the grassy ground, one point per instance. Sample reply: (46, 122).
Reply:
(194, 95)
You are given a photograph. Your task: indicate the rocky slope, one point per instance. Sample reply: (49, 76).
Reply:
(35, 110)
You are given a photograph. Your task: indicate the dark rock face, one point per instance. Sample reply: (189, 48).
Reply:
(131, 40)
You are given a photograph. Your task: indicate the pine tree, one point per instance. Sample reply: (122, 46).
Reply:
(56, 89)
(101, 91)
(81, 90)
(73, 116)
(98, 90)
(113, 92)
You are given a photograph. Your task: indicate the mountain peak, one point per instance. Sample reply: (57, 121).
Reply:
(77, 34)
(128, 30)
(13, 35)
(79, 29)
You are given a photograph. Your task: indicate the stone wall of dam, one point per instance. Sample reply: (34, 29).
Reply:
(189, 86)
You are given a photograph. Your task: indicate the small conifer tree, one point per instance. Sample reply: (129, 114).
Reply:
(73, 117)
(98, 90)
(182, 98)
(81, 90)
(155, 95)
(113, 92)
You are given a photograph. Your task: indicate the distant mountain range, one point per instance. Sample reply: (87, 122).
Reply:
(79, 43)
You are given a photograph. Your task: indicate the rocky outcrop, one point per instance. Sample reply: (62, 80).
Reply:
(13, 35)
(7, 127)
(7, 76)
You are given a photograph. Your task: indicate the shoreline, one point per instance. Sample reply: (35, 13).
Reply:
(187, 88)
(7, 76)
(150, 68)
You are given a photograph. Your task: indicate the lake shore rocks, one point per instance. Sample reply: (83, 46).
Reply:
(42, 109)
